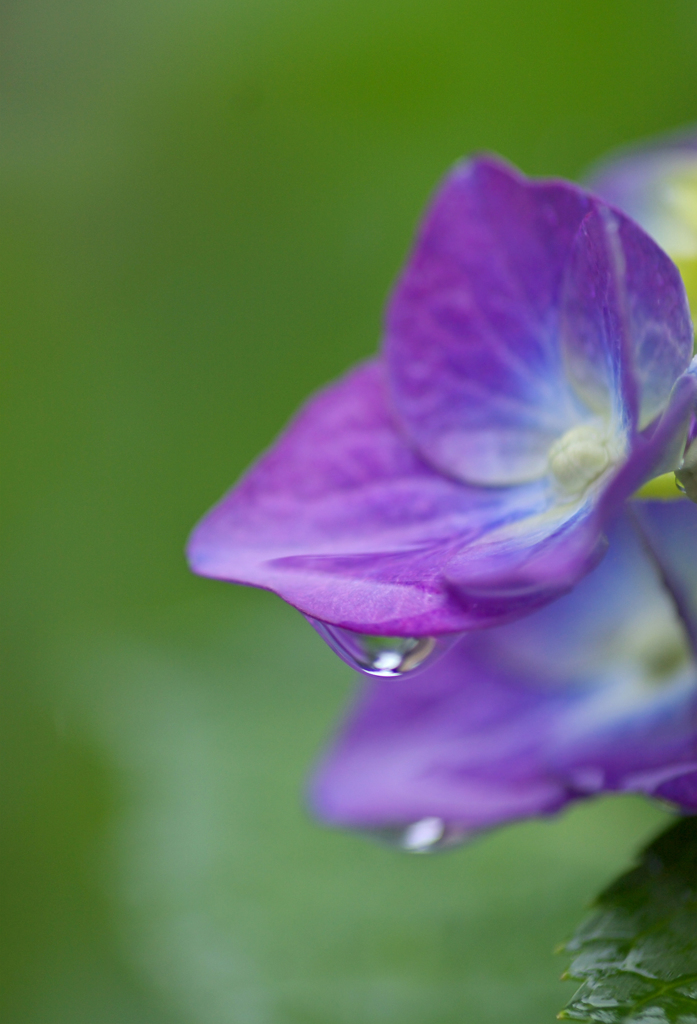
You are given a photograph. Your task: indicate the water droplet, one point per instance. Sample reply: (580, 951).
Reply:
(386, 656)
(427, 835)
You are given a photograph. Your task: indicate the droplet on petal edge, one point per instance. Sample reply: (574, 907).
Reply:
(385, 656)
(427, 835)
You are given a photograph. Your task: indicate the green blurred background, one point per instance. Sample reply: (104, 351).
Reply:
(203, 206)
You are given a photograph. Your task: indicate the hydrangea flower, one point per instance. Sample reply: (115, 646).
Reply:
(596, 691)
(534, 373)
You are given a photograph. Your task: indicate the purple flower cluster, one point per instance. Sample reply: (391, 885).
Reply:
(480, 472)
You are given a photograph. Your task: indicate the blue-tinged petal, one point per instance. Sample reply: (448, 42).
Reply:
(617, 614)
(531, 320)
(532, 560)
(346, 523)
(596, 691)
(539, 557)
(625, 327)
(473, 327)
(656, 184)
(659, 448)
(670, 531)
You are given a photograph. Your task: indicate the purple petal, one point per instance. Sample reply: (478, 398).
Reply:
(344, 521)
(540, 558)
(625, 324)
(670, 531)
(660, 330)
(569, 638)
(642, 180)
(479, 350)
(529, 563)
(517, 721)
(658, 449)
(473, 332)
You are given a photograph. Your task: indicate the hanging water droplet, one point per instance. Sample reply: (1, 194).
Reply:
(386, 656)
(427, 835)
(423, 835)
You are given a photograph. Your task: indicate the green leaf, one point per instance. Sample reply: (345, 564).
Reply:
(637, 954)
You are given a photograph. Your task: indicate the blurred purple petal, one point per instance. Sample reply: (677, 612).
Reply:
(596, 691)
(670, 530)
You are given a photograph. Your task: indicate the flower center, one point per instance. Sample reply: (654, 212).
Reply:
(579, 457)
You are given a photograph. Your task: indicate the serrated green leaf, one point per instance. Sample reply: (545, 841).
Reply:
(637, 954)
